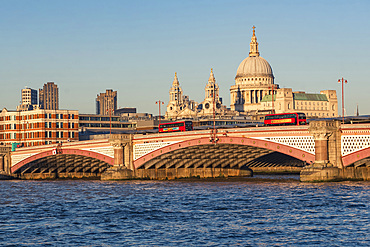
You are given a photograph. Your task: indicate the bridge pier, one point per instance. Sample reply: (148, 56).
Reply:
(5, 163)
(328, 164)
(123, 158)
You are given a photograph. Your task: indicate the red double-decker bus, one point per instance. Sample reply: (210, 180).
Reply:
(175, 126)
(295, 118)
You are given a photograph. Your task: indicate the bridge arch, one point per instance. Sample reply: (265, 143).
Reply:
(357, 156)
(226, 142)
(67, 155)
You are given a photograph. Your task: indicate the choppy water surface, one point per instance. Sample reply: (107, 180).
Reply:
(251, 212)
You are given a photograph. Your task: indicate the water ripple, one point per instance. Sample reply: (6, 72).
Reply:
(184, 213)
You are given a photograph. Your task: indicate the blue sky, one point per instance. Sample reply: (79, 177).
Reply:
(135, 47)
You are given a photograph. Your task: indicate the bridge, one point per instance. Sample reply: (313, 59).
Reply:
(232, 152)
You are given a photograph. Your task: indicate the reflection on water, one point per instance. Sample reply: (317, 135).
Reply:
(261, 211)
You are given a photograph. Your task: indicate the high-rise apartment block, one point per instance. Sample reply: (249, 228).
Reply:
(106, 103)
(49, 97)
(29, 96)
(29, 100)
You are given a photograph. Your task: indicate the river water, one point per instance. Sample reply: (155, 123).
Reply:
(259, 211)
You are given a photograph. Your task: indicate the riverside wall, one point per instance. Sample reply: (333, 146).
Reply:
(119, 173)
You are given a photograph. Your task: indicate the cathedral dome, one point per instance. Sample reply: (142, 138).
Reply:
(254, 66)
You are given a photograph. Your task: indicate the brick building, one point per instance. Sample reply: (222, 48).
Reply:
(38, 127)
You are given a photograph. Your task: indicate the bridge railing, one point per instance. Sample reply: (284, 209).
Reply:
(221, 130)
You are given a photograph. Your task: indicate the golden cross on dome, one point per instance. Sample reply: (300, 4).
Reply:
(254, 31)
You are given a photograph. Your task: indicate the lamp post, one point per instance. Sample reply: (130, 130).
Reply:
(159, 106)
(342, 81)
(110, 120)
(272, 98)
(214, 138)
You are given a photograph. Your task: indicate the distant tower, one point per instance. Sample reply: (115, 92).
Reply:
(49, 97)
(176, 99)
(106, 102)
(29, 96)
(211, 93)
(29, 100)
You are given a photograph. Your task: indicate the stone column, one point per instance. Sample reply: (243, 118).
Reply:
(121, 144)
(118, 153)
(5, 161)
(1, 163)
(256, 96)
(261, 95)
(321, 147)
(327, 143)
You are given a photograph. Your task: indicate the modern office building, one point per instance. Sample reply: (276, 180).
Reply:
(106, 103)
(38, 127)
(103, 122)
(125, 110)
(49, 97)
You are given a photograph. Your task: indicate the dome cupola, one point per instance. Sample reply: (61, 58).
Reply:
(254, 68)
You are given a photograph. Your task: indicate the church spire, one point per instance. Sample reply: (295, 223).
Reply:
(254, 45)
(175, 81)
(212, 77)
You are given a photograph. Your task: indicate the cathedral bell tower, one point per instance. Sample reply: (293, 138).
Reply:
(176, 99)
(212, 98)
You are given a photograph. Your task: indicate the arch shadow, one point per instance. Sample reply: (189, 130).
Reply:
(45, 154)
(263, 144)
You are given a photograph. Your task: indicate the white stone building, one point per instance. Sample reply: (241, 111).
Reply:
(180, 106)
(254, 87)
(251, 94)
